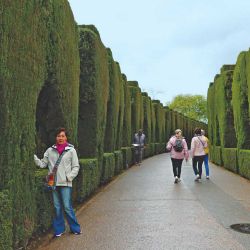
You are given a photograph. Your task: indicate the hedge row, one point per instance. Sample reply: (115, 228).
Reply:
(228, 116)
(64, 77)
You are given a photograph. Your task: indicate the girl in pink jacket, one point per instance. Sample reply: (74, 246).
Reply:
(198, 144)
(178, 150)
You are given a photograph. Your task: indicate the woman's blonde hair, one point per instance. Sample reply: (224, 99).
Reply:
(178, 131)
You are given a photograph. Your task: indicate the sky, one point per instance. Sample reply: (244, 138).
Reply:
(170, 47)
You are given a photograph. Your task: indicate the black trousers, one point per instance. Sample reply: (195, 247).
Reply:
(177, 166)
(198, 160)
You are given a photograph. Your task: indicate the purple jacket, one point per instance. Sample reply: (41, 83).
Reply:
(173, 153)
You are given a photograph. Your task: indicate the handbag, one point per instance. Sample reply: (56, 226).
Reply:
(50, 179)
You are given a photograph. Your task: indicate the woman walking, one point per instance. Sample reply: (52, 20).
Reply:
(198, 144)
(178, 150)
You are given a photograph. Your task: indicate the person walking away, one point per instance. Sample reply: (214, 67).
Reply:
(206, 149)
(177, 146)
(198, 144)
(140, 141)
(67, 170)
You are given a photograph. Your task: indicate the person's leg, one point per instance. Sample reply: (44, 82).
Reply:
(136, 155)
(70, 214)
(194, 160)
(141, 154)
(206, 165)
(174, 164)
(58, 221)
(179, 164)
(200, 162)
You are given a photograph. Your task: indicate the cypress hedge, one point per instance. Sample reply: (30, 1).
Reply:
(127, 157)
(113, 105)
(118, 162)
(243, 162)
(108, 170)
(41, 48)
(230, 159)
(87, 179)
(126, 135)
(94, 92)
(240, 100)
(147, 117)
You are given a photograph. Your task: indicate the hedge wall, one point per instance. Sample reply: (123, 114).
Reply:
(136, 106)
(127, 157)
(94, 89)
(160, 121)
(230, 160)
(240, 100)
(147, 116)
(126, 135)
(87, 179)
(113, 106)
(108, 170)
(118, 162)
(6, 223)
(243, 161)
(41, 48)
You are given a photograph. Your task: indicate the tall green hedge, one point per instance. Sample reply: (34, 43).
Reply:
(240, 100)
(126, 132)
(136, 106)
(147, 125)
(108, 167)
(94, 89)
(6, 222)
(33, 49)
(113, 106)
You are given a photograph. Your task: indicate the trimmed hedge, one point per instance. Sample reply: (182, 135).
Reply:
(126, 135)
(34, 32)
(94, 87)
(127, 157)
(230, 160)
(108, 169)
(113, 105)
(240, 100)
(44, 203)
(216, 155)
(6, 223)
(147, 117)
(87, 180)
(118, 162)
(243, 161)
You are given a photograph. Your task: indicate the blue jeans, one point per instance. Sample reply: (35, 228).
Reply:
(62, 201)
(206, 164)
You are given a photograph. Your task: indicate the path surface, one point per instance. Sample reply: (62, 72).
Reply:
(144, 209)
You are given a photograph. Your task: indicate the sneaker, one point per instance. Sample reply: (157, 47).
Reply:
(197, 178)
(58, 235)
(179, 179)
(176, 179)
(207, 177)
(77, 233)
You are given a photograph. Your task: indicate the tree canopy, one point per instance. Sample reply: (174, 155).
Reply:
(193, 106)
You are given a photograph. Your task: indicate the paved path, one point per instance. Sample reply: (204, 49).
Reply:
(144, 209)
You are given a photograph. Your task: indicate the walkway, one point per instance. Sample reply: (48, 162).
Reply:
(144, 209)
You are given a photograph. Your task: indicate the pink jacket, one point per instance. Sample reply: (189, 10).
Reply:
(198, 144)
(173, 153)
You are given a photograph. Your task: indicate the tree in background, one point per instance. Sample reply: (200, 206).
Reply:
(193, 106)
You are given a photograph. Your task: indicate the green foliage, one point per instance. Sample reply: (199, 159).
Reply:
(127, 157)
(44, 203)
(147, 117)
(118, 162)
(229, 156)
(6, 223)
(94, 89)
(87, 179)
(108, 170)
(34, 32)
(243, 162)
(192, 106)
(240, 100)
(216, 155)
(126, 135)
(159, 121)
(113, 106)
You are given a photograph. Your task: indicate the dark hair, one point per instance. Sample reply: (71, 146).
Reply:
(197, 131)
(59, 130)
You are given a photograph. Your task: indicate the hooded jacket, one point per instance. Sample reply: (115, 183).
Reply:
(68, 167)
(173, 153)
